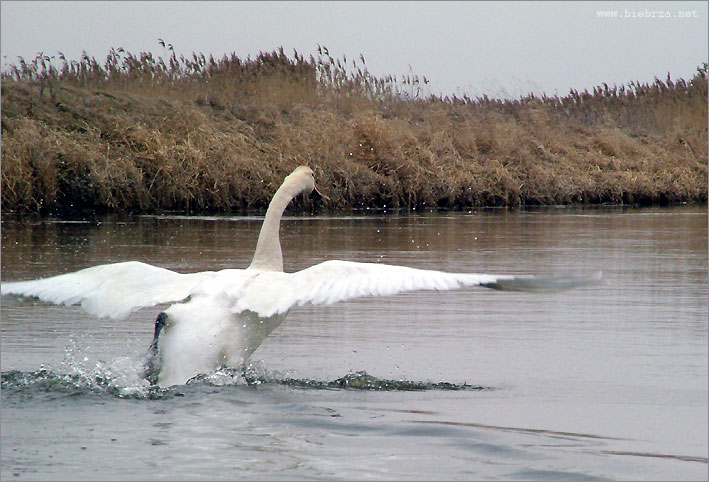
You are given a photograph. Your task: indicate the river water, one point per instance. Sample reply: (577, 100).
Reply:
(604, 382)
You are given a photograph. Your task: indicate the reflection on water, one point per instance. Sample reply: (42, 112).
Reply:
(603, 382)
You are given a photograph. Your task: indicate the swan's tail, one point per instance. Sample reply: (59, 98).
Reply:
(544, 284)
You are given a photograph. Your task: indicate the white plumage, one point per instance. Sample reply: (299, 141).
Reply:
(221, 317)
(112, 290)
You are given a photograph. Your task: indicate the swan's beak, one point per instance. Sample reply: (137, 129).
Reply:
(321, 194)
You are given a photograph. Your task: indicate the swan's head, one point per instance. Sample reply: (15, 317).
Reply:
(302, 180)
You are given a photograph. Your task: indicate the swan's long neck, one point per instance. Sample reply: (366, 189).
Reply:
(268, 256)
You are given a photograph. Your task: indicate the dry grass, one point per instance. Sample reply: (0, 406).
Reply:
(139, 134)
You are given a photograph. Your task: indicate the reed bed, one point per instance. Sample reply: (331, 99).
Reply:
(138, 133)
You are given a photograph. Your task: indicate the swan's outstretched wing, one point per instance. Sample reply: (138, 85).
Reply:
(332, 281)
(111, 290)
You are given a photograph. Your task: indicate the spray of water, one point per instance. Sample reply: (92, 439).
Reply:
(125, 377)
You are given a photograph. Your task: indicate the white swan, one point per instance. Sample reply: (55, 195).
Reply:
(220, 318)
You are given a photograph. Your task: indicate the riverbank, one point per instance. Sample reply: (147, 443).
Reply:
(137, 134)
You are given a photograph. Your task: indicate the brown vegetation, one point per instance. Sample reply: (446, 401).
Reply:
(141, 134)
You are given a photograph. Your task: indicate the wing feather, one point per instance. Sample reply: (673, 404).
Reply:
(333, 281)
(111, 290)
(116, 290)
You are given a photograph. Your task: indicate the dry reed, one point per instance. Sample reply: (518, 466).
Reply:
(136, 133)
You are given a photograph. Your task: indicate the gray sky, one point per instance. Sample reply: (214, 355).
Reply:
(462, 47)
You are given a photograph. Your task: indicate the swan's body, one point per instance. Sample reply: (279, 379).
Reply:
(220, 318)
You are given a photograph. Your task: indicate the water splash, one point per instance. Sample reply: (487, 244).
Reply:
(122, 379)
(361, 380)
(125, 377)
(43, 381)
(256, 373)
(77, 374)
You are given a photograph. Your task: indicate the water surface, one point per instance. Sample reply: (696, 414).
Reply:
(606, 382)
